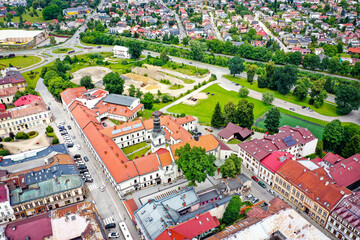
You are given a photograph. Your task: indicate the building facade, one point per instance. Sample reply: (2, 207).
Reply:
(6, 212)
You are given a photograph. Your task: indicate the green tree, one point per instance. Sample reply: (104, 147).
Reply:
(334, 65)
(197, 50)
(99, 27)
(55, 141)
(270, 71)
(164, 57)
(333, 136)
(268, 97)
(232, 210)
(243, 92)
(285, 78)
(347, 99)
(148, 100)
(229, 113)
(86, 82)
(245, 113)
(51, 12)
(251, 70)
(217, 119)
(49, 129)
(352, 147)
(135, 49)
(351, 130)
(340, 47)
(236, 65)
(195, 164)
(21, 22)
(185, 41)
(21, 135)
(53, 41)
(9, 16)
(231, 167)
(132, 90)
(138, 93)
(295, 58)
(301, 91)
(272, 120)
(262, 81)
(113, 83)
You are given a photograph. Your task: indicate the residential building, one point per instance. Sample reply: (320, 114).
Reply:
(309, 189)
(26, 100)
(278, 222)
(344, 221)
(121, 52)
(297, 141)
(11, 81)
(6, 212)
(234, 131)
(25, 117)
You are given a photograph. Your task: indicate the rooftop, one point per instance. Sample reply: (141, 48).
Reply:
(231, 129)
(275, 160)
(120, 99)
(25, 100)
(349, 208)
(4, 34)
(3, 193)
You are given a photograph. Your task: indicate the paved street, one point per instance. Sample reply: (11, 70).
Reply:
(218, 35)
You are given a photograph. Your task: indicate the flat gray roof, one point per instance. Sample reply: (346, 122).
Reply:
(119, 99)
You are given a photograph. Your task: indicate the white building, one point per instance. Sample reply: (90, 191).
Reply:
(6, 211)
(121, 52)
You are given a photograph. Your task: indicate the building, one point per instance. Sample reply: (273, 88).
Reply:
(309, 189)
(279, 222)
(21, 39)
(26, 100)
(297, 141)
(25, 117)
(234, 131)
(121, 52)
(6, 212)
(76, 11)
(40, 189)
(344, 221)
(11, 81)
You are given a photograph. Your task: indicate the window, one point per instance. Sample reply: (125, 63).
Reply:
(324, 214)
(302, 197)
(150, 176)
(315, 207)
(135, 181)
(144, 178)
(293, 191)
(322, 221)
(317, 218)
(292, 198)
(277, 179)
(297, 194)
(320, 211)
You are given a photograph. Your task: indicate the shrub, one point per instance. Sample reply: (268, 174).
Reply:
(4, 152)
(32, 133)
(8, 139)
(124, 62)
(145, 75)
(21, 135)
(49, 129)
(157, 100)
(243, 92)
(1, 139)
(55, 141)
(257, 129)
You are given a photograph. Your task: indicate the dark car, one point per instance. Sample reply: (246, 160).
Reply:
(255, 178)
(98, 46)
(82, 167)
(83, 171)
(61, 127)
(86, 159)
(69, 127)
(104, 124)
(303, 107)
(89, 180)
(77, 156)
(262, 184)
(69, 145)
(110, 225)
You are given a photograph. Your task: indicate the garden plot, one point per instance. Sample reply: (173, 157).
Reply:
(96, 74)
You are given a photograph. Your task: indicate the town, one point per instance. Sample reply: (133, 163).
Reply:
(160, 119)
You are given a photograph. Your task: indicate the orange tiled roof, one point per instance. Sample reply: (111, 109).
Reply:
(37, 106)
(83, 115)
(164, 157)
(185, 119)
(208, 142)
(102, 107)
(147, 164)
(8, 91)
(131, 207)
(109, 131)
(71, 93)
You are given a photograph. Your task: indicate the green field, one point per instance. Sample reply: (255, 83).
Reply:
(27, 17)
(138, 153)
(62, 50)
(19, 61)
(133, 148)
(326, 109)
(315, 129)
(205, 107)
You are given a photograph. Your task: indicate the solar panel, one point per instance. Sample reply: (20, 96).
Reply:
(290, 143)
(137, 126)
(116, 131)
(287, 139)
(126, 129)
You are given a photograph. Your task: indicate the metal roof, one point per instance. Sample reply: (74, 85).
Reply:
(119, 99)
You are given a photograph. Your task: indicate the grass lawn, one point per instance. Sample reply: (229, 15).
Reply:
(306, 118)
(138, 153)
(27, 17)
(116, 122)
(177, 86)
(31, 79)
(326, 109)
(20, 61)
(234, 141)
(133, 148)
(315, 129)
(187, 81)
(147, 114)
(185, 69)
(62, 50)
(205, 107)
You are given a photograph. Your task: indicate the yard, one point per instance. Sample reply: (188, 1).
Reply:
(205, 107)
(326, 109)
(32, 19)
(133, 148)
(292, 121)
(19, 61)
(139, 153)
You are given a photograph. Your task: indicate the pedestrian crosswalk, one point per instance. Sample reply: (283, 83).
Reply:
(165, 194)
(113, 219)
(93, 186)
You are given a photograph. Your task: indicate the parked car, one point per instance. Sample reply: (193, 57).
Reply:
(86, 159)
(69, 127)
(113, 235)
(69, 145)
(271, 191)
(77, 156)
(61, 127)
(82, 167)
(255, 200)
(104, 124)
(255, 178)
(78, 147)
(110, 225)
(89, 180)
(63, 133)
(98, 46)
(292, 109)
(83, 170)
(249, 196)
(102, 189)
(262, 184)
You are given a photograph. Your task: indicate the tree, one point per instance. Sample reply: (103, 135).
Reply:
(268, 97)
(21, 135)
(232, 210)
(217, 119)
(318, 94)
(236, 65)
(185, 41)
(245, 113)
(9, 16)
(347, 99)
(295, 58)
(164, 57)
(113, 83)
(195, 164)
(301, 91)
(99, 27)
(334, 65)
(135, 49)
(148, 100)
(333, 136)
(270, 71)
(231, 167)
(272, 120)
(285, 78)
(138, 93)
(51, 12)
(132, 90)
(340, 47)
(243, 92)
(86, 82)
(53, 41)
(21, 22)
(251, 70)
(352, 147)
(49, 129)
(197, 50)
(229, 113)
(262, 81)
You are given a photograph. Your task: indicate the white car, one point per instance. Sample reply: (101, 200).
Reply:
(102, 189)
(113, 235)
(78, 147)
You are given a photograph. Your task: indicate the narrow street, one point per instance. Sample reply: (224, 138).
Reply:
(218, 35)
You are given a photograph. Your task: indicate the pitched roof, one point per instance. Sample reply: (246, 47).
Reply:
(25, 100)
(332, 158)
(3, 193)
(131, 207)
(8, 91)
(275, 160)
(68, 95)
(147, 164)
(123, 129)
(231, 129)
(347, 171)
(164, 157)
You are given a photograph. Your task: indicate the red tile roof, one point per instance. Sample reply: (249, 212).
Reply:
(29, 227)
(231, 129)
(25, 100)
(332, 158)
(4, 92)
(70, 94)
(3, 193)
(147, 164)
(2, 107)
(164, 157)
(347, 171)
(275, 160)
(354, 50)
(131, 207)
(109, 131)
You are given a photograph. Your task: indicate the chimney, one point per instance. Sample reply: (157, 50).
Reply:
(327, 183)
(322, 178)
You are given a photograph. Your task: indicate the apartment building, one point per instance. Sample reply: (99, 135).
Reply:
(6, 212)
(11, 81)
